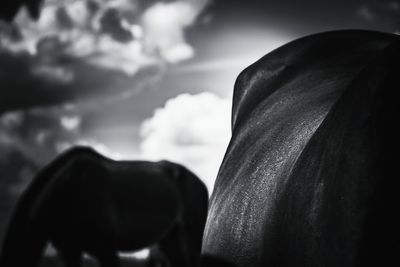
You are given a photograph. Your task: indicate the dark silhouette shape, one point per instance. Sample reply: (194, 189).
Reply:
(85, 202)
(9, 8)
(211, 261)
(310, 174)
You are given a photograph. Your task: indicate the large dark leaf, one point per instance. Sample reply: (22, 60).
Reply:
(307, 179)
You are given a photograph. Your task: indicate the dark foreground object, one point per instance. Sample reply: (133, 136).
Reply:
(84, 202)
(52, 261)
(310, 177)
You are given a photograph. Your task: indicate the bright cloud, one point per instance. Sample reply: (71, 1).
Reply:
(164, 25)
(70, 123)
(114, 34)
(193, 130)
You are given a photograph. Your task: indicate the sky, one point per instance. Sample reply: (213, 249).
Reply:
(139, 79)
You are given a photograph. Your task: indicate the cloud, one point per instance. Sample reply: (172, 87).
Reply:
(164, 25)
(193, 130)
(41, 133)
(114, 34)
(70, 123)
(84, 49)
(12, 119)
(53, 74)
(27, 82)
(34, 133)
(84, 29)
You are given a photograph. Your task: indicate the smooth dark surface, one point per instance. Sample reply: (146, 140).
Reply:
(84, 202)
(309, 177)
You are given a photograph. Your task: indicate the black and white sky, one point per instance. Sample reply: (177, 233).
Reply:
(141, 79)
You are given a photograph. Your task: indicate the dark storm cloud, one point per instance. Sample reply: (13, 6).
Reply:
(111, 24)
(10, 7)
(27, 82)
(63, 18)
